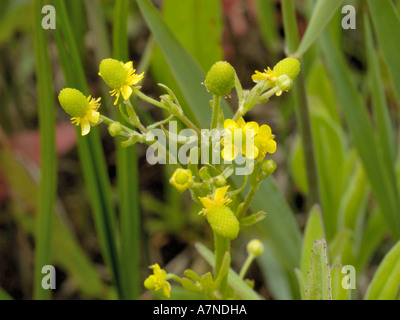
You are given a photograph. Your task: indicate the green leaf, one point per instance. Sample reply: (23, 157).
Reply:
(357, 118)
(386, 281)
(322, 14)
(338, 291)
(314, 230)
(386, 21)
(4, 295)
(301, 281)
(319, 281)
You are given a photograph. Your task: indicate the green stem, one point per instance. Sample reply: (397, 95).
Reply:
(246, 266)
(215, 114)
(222, 245)
(246, 203)
(152, 101)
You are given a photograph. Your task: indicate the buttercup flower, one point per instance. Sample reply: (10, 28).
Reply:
(288, 66)
(239, 137)
(218, 199)
(264, 141)
(120, 77)
(157, 281)
(82, 110)
(182, 179)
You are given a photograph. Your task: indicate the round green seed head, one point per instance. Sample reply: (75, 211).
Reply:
(113, 73)
(223, 222)
(255, 247)
(289, 67)
(73, 102)
(220, 79)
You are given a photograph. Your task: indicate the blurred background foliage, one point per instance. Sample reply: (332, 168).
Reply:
(352, 86)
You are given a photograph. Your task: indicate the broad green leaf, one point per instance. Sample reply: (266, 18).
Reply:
(386, 281)
(319, 281)
(322, 14)
(241, 287)
(314, 230)
(338, 291)
(386, 23)
(357, 118)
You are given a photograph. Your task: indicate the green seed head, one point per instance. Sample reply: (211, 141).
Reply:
(113, 73)
(73, 102)
(223, 222)
(220, 79)
(289, 67)
(255, 247)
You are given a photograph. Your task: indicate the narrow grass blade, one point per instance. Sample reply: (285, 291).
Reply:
(356, 116)
(48, 176)
(91, 154)
(386, 281)
(386, 25)
(127, 175)
(322, 14)
(4, 295)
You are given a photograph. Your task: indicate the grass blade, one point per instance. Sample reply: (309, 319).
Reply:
(386, 24)
(127, 176)
(91, 155)
(48, 177)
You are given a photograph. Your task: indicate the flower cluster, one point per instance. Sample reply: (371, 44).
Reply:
(209, 183)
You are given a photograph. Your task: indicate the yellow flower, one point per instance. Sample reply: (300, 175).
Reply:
(82, 110)
(264, 141)
(120, 77)
(157, 281)
(182, 179)
(218, 199)
(239, 136)
(267, 75)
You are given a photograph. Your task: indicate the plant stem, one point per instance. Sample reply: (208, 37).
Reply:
(222, 245)
(246, 203)
(215, 114)
(152, 101)
(246, 265)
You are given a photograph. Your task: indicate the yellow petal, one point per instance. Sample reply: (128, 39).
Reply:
(229, 153)
(220, 194)
(128, 66)
(258, 76)
(85, 126)
(271, 146)
(231, 125)
(241, 123)
(250, 151)
(126, 92)
(93, 116)
(207, 202)
(251, 128)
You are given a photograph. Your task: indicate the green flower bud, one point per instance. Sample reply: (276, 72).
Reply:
(149, 284)
(73, 102)
(114, 129)
(268, 167)
(255, 247)
(223, 222)
(289, 67)
(284, 82)
(219, 181)
(220, 79)
(113, 73)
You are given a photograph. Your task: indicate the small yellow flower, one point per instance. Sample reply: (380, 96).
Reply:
(218, 199)
(267, 75)
(239, 137)
(157, 281)
(83, 111)
(264, 141)
(182, 179)
(120, 77)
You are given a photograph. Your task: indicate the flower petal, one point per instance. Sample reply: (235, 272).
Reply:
(126, 92)
(220, 194)
(229, 153)
(230, 125)
(251, 128)
(241, 122)
(93, 116)
(85, 126)
(271, 146)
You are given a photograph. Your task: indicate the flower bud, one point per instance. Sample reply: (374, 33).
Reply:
(284, 82)
(223, 222)
(73, 102)
(113, 73)
(114, 129)
(289, 67)
(149, 284)
(255, 247)
(219, 181)
(268, 167)
(220, 79)
(182, 179)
